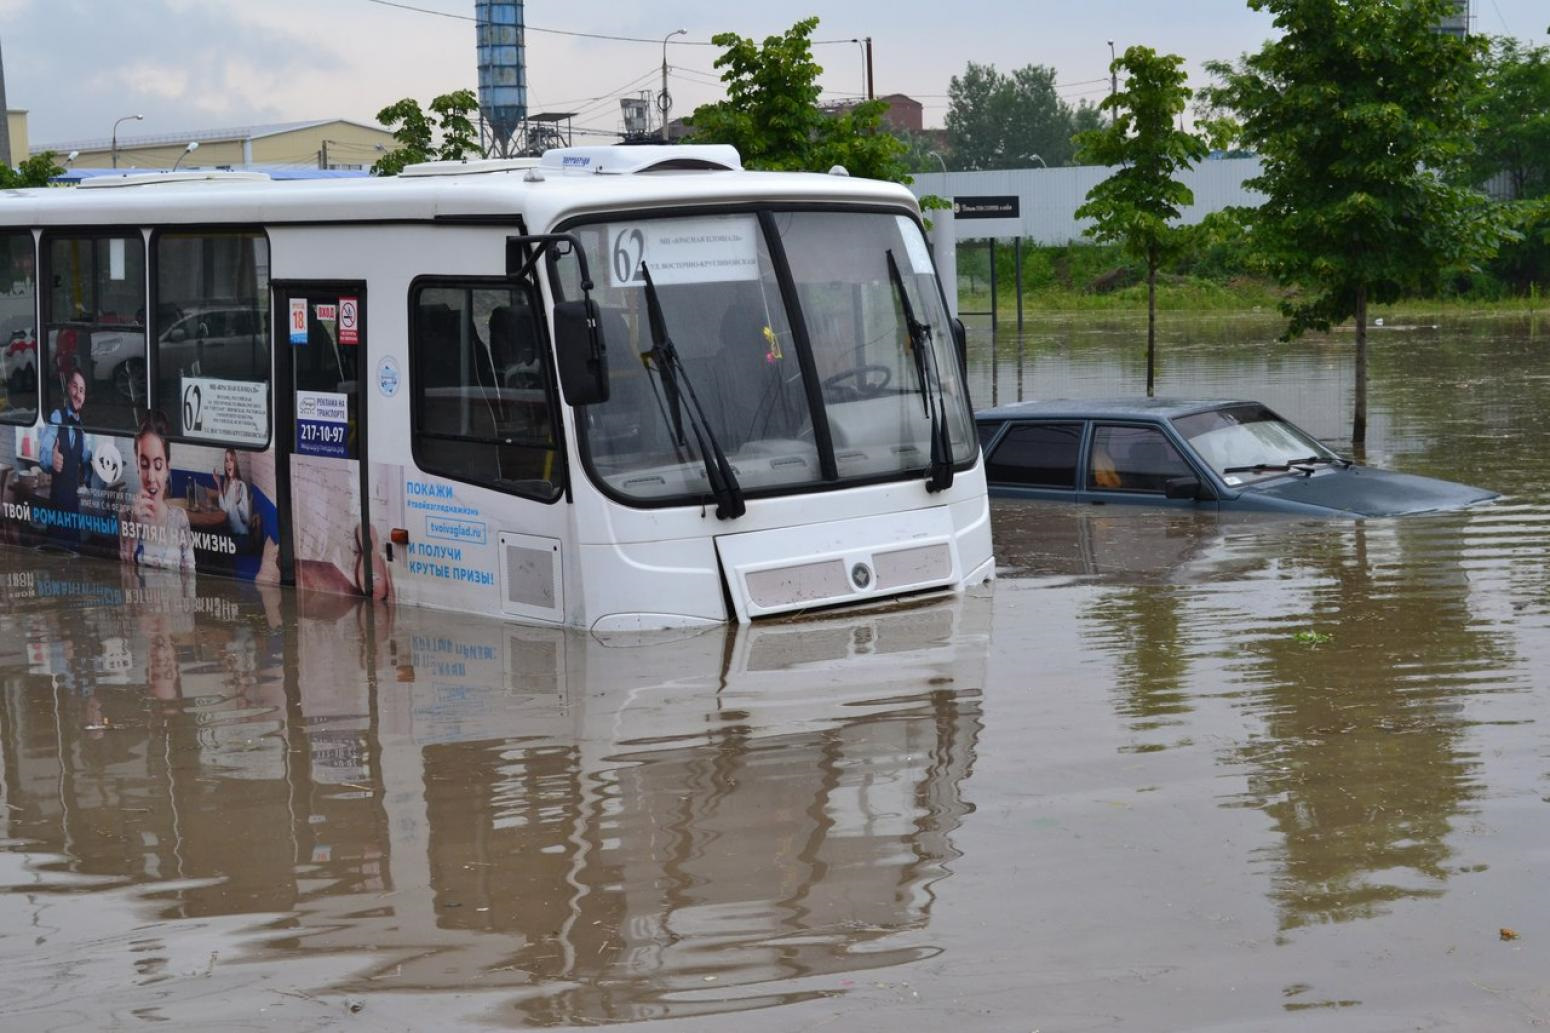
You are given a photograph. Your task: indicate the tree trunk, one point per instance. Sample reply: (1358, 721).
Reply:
(1359, 417)
(1151, 324)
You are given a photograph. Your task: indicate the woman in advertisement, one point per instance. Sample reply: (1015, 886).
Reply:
(154, 532)
(231, 494)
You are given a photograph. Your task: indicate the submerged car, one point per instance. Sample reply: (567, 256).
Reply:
(1223, 455)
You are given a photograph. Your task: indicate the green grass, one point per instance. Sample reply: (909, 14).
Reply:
(1187, 294)
(1210, 279)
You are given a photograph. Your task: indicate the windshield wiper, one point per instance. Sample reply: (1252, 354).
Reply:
(939, 476)
(670, 368)
(1290, 466)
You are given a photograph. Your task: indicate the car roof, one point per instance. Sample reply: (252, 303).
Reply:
(1105, 408)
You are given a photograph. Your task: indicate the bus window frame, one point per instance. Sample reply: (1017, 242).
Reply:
(93, 232)
(529, 285)
(761, 210)
(153, 352)
(37, 350)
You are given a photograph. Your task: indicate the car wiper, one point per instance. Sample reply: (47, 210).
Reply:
(1292, 466)
(1315, 460)
(670, 368)
(940, 474)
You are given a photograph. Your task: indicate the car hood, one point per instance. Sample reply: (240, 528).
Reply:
(1367, 491)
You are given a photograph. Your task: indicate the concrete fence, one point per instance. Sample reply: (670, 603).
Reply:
(1039, 205)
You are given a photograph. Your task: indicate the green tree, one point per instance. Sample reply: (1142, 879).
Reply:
(1356, 111)
(1511, 110)
(1085, 117)
(771, 113)
(1136, 207)
(997, 121)
(415, 131)
(920, 152)
(34, 171)
(459, 138)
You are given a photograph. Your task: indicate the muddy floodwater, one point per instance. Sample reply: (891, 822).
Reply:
(1170, 772)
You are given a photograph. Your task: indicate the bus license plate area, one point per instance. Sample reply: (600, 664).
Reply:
(863, 559)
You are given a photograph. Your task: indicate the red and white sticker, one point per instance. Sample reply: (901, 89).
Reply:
(298, 320)
(349, 321)
(326, 313)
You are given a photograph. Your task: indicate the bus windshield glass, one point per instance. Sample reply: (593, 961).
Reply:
(844, 397)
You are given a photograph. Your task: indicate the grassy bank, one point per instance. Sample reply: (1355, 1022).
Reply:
(1207, 278)
(1205, 296)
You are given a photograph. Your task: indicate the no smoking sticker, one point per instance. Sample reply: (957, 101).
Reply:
(349, 321)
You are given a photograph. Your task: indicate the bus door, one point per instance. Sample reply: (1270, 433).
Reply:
(325, 527)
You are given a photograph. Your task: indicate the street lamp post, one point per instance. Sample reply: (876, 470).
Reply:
(114, 147)
(193, 145)
(665, 102)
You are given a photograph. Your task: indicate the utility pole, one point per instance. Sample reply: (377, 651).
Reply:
(323, 156)
(1113, 82)
(871, 94)
(664, 100)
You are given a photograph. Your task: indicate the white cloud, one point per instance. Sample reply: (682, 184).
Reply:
(149, 79)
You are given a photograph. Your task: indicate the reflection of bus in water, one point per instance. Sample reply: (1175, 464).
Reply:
(584, 825)
(623, 389)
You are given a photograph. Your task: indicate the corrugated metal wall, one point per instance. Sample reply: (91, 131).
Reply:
(1048, 198)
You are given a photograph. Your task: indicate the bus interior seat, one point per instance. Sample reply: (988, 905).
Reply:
(513, 352)
(452, 404)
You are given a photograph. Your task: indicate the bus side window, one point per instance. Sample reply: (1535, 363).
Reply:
(18, 329)
(483, 410)
(211, 321)
(94, 322)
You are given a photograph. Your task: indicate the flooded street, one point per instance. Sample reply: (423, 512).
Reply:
(1170, 772)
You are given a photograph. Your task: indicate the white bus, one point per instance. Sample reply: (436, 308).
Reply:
(620, 388)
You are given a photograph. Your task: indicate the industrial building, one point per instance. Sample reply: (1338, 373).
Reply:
(323, 143)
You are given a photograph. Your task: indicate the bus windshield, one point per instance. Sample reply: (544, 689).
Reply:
(843, 396)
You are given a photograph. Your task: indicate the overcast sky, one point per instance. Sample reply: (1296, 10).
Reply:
(77, 65)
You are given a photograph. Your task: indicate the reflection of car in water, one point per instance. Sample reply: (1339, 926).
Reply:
(1218, 455)
(212, 342)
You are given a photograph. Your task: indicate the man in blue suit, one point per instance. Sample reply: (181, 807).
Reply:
(62, 447)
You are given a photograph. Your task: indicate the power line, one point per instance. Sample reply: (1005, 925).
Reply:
(615, 94)
(568, 32)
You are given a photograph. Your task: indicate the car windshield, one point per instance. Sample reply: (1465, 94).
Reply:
(1239, 438)
(753, 376)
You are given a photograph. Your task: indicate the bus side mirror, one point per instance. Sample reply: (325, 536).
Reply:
(582, 354)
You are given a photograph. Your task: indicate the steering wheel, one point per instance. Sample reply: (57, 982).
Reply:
(870, 380)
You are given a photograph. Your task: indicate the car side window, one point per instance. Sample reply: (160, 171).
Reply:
(1133, 459)
(1037, 455)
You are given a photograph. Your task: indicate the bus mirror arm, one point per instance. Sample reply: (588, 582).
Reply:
(580, 350)
(521, 261)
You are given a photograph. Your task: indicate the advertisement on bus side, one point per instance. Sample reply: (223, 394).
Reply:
(143, 498)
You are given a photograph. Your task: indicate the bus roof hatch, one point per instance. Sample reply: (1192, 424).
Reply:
(623, 161)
